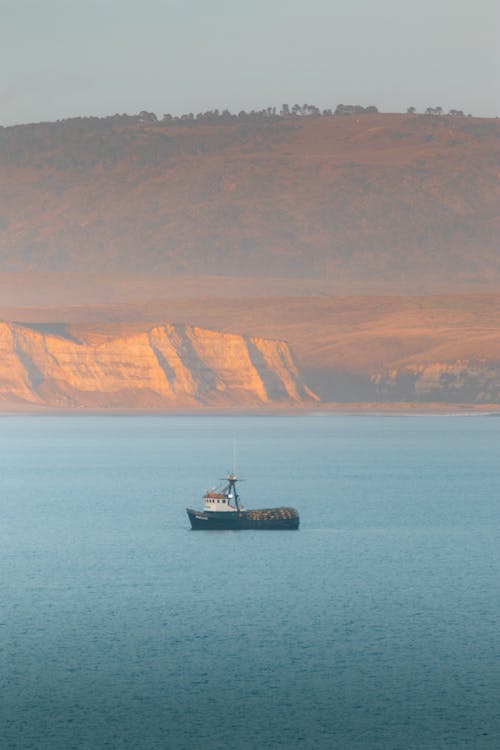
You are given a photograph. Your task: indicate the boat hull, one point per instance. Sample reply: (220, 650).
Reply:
(266, 518)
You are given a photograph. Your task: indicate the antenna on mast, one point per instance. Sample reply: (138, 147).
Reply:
(234, 455)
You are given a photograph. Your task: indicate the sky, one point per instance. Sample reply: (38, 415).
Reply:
(67, 58)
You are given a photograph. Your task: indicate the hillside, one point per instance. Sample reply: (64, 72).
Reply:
(369, 244)
(399, 203)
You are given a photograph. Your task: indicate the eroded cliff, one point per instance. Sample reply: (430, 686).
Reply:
(133, 367)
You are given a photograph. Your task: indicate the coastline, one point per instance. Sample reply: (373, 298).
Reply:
(319, 409)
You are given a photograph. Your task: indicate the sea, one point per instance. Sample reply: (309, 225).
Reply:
(375, 626)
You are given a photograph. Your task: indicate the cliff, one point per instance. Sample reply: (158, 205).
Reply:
(350, 349)
(164, 366)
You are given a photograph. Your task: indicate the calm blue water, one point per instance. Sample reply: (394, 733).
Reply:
(376, 626)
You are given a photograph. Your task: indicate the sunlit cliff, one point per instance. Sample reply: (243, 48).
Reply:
(161, 366)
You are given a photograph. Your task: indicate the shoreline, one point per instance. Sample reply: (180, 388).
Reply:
(320, 409)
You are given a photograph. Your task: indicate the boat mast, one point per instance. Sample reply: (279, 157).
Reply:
(231, 490)
(232, 478)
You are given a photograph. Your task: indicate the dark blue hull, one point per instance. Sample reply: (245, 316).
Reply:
(268, 518)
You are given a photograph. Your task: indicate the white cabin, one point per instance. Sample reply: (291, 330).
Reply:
(218, 501)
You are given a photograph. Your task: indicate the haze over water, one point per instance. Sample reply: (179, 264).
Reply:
(375, 626)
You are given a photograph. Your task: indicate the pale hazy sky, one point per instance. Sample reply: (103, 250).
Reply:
(63, 58)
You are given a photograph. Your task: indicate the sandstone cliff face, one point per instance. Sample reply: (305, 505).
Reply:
(162, 366)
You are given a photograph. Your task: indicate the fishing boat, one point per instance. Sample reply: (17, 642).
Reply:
(222, 510)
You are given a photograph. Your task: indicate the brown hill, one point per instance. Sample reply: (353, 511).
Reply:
(382, 202)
